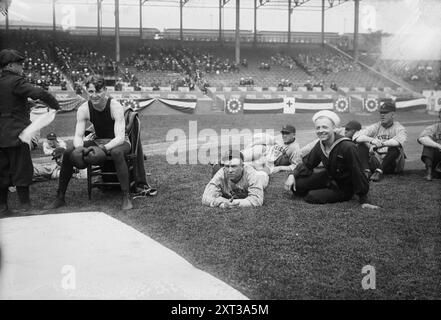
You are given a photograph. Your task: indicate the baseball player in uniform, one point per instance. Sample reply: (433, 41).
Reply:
(342, 177)
(430, 138)
(15, 156)
(380, 145)
(235, 184)
(275, 157)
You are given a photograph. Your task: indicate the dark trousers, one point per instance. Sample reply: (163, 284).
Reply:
(118, 156)
(431, 156)
(319, 189)
(371, 162)
(16, 167)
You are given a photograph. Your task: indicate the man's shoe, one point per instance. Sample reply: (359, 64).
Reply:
(5, 212)
(126, 202)
(428, 176)
(58, 202)
(376, 176)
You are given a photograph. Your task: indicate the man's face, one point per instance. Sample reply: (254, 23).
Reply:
(16, 67)
(52, 143)
(324, 128)
(349, 133)
(96, 97)
(288, 137)
(59, 160)
(386, 118)
(234, 169)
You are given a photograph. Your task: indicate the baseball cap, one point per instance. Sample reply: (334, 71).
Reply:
(288, 128)
(10, 55)
(57, 153)
(353, 125)
(231, 154)
(51, 136)
(387, 107)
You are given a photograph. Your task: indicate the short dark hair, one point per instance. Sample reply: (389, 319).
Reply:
(232, 154)
(97, 81)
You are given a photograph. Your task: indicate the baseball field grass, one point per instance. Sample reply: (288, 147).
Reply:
(286, 249)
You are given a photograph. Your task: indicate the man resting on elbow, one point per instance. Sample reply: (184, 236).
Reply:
(235, 185)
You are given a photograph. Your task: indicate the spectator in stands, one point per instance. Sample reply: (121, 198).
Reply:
(333, 86)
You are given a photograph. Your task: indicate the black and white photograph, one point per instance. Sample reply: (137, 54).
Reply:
(220, 155)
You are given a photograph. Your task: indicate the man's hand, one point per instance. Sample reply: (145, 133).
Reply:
(290, 183)
(229, 205)
(376, 142)
(369, 206)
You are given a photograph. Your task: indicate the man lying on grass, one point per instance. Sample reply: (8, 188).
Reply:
(342, 176)
(235, 184)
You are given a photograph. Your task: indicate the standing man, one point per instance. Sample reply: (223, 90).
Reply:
(430, 138)
(15, 156)
(107, 117)
(342, 177)
(380, 145)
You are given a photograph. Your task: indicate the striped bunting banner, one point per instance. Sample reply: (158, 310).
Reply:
(183, 105)
(312, 105)
(275, 105)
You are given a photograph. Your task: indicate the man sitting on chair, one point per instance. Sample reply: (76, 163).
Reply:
(107, 117)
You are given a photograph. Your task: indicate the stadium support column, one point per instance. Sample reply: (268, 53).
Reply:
(53, 16)
(289, 22)
(356, 16)
(117, 58)
(140, 19)
(181, 5)
(323, 23)
(98, 18)
(255, 23)
(220, 21)
(238, 32)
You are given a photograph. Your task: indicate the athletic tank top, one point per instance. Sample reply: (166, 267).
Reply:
(102, 121)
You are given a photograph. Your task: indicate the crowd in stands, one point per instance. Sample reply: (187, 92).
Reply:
(413, 71)
(283, 60)
(246, 81)
(327, 63)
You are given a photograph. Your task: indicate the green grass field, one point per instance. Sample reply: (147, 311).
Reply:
(287, 249)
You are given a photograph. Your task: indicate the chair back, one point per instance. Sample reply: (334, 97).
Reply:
(132, 128)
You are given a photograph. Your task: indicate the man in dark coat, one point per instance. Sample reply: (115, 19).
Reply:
(342, 177)
(15, 157)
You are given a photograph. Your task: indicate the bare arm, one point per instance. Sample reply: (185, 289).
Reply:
(82, 117)
(120, 126)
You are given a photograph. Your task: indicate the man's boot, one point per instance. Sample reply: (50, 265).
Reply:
(4, 210)
(58, 202)
(24, 199)
(126, 201)
(429, 174)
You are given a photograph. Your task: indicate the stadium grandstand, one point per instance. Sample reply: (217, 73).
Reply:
(150, 59)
